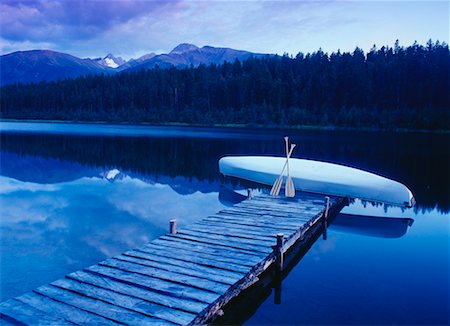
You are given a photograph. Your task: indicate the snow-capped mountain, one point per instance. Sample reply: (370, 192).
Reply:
(44, 65)
(111, 61)
(39, 65)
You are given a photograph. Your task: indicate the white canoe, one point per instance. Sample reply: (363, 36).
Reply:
(319, 177)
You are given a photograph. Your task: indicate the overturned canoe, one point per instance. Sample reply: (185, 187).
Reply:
(319, 177)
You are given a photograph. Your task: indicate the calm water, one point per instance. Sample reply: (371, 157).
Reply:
(74, 195)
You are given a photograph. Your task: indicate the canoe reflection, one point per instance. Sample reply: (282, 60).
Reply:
(229, 197)
(373, 226)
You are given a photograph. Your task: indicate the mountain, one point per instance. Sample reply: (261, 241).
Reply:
(111, 61)
(134, 62)
(38, 65)
(183, 48)
(185, 55)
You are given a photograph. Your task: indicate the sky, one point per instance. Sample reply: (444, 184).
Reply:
(132, 28)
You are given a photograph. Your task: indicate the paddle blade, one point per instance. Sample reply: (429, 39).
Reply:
(276, 186)
(289, 191)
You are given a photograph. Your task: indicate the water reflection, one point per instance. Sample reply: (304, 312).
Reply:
(49, 230)
(382, 227)
(416, 160)
(229, 197)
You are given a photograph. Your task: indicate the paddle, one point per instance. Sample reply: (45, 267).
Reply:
(277, 185)
(289, 190)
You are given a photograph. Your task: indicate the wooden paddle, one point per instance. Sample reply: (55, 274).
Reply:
(289, 190)
(277, 185)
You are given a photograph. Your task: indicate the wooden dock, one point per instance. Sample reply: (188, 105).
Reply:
(182, 278)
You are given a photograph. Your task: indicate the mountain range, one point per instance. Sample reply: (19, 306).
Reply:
(45, 65)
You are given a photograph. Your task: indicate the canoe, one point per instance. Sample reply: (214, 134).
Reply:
(319, 177)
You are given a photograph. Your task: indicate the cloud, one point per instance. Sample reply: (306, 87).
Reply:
(9, 185)
(132, 28)
(52, 21)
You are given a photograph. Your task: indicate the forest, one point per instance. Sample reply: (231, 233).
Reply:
(387, 88)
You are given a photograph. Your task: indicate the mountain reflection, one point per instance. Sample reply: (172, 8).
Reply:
(417, 160)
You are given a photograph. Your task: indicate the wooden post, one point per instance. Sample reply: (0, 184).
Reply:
(279, 251)
(249, 193)
(327, 208)
(173, 226)
(325, 218)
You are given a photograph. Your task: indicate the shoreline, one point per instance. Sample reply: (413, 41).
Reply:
(229, 126)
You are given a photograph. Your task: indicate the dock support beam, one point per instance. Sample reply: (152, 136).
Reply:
(173, 226)
(279, 268)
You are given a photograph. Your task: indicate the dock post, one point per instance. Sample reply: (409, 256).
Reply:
(327, 208)
(173, 226)
(279, 268)
(325, 218)
(249, 193)
(279, 251)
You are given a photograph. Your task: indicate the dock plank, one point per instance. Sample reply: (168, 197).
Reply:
(171, 302)
(187, 269)
(249, 249)
(246, 255)
(19, 313)
(248, 231)
(181, 251)
(154, 284)
(62, 310)
(109, 311)
(152, 310)
(188, 262)
(253, 223)
(218, 227)
(196, 282)
(229, 238)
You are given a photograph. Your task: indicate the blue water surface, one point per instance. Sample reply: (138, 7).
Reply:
(73, 195)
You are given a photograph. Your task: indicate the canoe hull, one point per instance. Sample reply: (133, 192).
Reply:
(319, 177)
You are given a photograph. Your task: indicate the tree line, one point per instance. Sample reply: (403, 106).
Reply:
(387, 88)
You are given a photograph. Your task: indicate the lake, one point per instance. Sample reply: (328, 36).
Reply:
(73, 195)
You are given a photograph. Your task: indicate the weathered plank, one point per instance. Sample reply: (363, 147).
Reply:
(188, 263)
(186, 269)
(238, 256)
(154, 284)
(154, 311)
(267, 215)
(238, 233)
(250, 249)
(19, 313)
(243, 231)
(196, 282)
(224, 250)
(109, 311)
(62, 310)
(253, 223)
(181, 251)
(229, 238)
(182, 304)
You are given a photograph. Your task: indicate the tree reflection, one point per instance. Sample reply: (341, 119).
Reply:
(420, 161)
